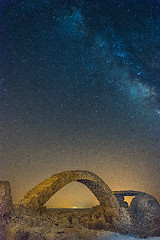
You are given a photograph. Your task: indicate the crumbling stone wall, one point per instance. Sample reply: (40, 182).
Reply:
(6, 206)
(6, 203)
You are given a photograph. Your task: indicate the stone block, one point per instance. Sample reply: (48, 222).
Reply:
(145, 213)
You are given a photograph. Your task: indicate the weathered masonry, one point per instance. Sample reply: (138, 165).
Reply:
(40, 194)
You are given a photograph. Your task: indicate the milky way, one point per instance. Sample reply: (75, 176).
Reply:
(80, 89)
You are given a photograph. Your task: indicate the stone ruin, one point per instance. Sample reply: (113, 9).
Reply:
(6, 204)
(141, 218)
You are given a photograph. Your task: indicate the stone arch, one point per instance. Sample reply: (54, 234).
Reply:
(128, 193)
(40, 194)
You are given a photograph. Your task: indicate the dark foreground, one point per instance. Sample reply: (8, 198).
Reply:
(59, 224)
(141, 219)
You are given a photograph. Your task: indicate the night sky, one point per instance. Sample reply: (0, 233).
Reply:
(80, 89)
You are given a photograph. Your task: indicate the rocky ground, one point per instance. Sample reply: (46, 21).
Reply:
(49, 225)
(59, 224)
(141, 218)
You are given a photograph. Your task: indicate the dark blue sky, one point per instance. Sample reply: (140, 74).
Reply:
(80, 89)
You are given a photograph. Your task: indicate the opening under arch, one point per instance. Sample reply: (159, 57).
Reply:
(73, 195)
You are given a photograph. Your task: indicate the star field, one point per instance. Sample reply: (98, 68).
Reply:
(80, 89)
